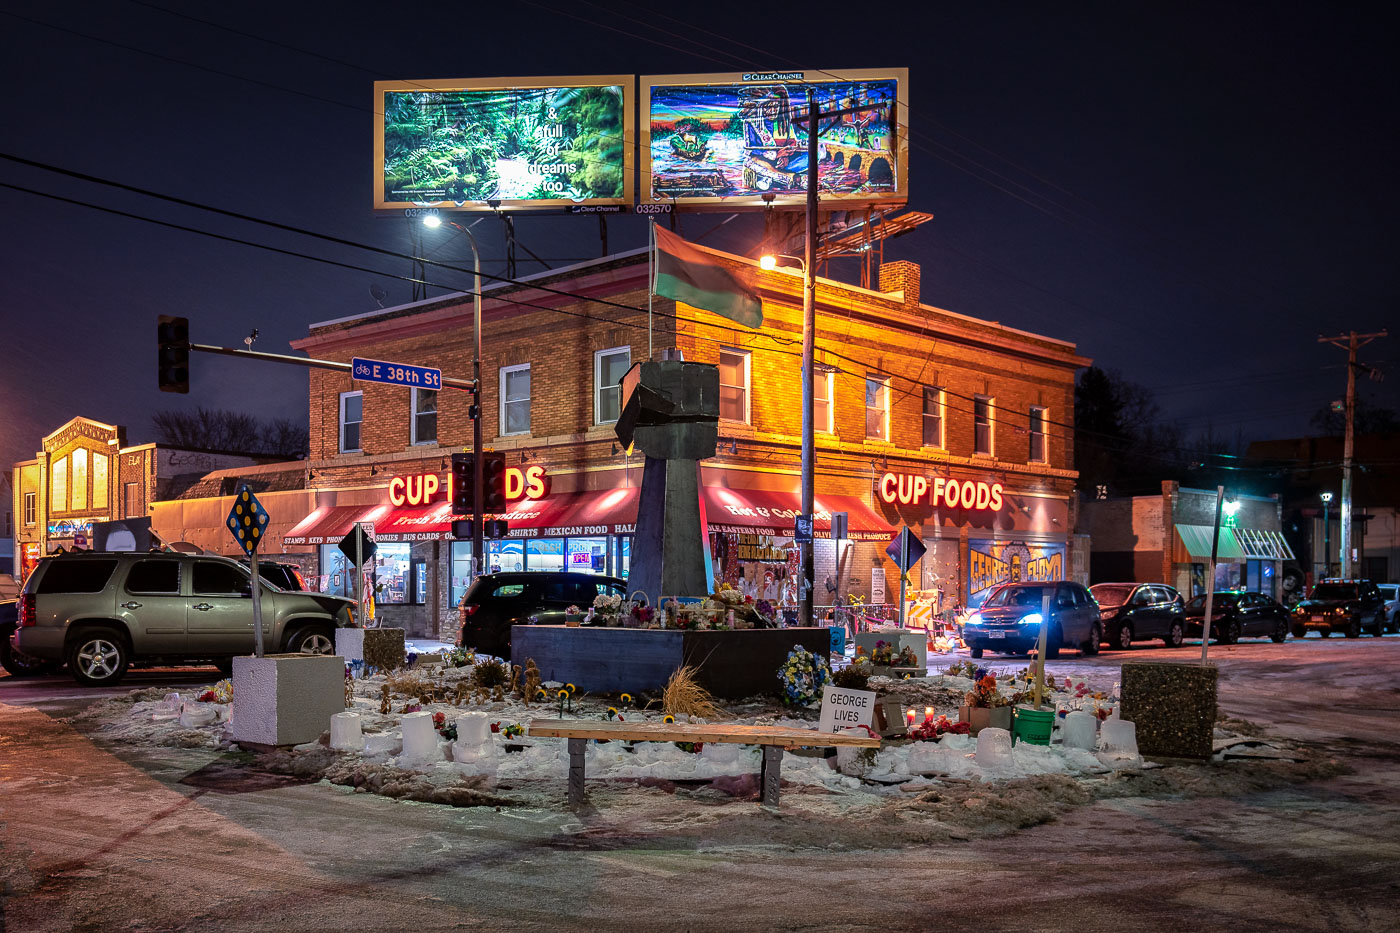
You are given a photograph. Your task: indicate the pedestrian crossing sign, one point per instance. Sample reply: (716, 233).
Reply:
(247, 520)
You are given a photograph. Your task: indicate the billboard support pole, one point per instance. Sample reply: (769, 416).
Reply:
(809, 328)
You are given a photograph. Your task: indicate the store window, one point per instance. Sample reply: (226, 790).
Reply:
(587, 555)
(393, 579)
(30, 509)
(823, 385)
(544, 554)
(982, 425)
(734, 385)
(877, 407)
(1037, 429)
(609, 366)
(515, 399)
(505, 556)
(58, 486)
(622, 555)
(933, 416)
(424, 414)
(351, 416)
(461, 571)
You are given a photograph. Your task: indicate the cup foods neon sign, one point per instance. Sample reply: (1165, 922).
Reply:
(423, 488)
(951, 493)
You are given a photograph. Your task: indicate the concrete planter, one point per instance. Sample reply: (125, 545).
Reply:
(286, 699)
(1173, 707)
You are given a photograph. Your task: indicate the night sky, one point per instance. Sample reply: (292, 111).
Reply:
(1190, 192)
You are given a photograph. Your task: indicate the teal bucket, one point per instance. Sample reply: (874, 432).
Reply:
(1032, 725)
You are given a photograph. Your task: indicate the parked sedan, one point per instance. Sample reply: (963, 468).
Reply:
(1010, 620)
(1391, 593)
(1238, 615)
(1130, 611)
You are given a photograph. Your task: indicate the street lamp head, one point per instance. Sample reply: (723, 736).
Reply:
(432, 220)
(1231, 507)
(1326, 498)
(768, 263)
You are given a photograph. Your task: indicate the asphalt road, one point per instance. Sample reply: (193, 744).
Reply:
(162, 839)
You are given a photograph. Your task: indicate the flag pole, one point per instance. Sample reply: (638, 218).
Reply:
(651, 281)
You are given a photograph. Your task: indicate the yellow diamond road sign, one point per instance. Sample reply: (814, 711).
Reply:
(247, 520)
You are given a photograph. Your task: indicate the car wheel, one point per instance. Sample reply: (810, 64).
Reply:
(1300, 631)
(1231, 634)
(1379, 628)
(1325, 631)
(1354, 628)
(1280, 634)
(975, 652)
(1176, 635)
(314, 639)
(20, 664)
(225, 666)
(1053, 639)
(1124, 639)
(99, 657)
(1091, 647)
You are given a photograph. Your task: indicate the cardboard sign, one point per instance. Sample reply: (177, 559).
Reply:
(845, 709)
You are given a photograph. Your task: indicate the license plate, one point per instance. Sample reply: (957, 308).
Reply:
(1317, 618)
(996, 634)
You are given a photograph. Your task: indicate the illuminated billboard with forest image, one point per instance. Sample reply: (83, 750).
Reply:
(546, 142)
(742, 138)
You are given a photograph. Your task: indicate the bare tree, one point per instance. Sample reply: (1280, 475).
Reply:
(223, 429)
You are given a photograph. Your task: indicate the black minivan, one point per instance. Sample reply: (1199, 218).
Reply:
(496, 601)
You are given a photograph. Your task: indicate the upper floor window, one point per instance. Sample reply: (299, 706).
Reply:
(80, 478)
(352, 414)
(982, 420)
(933, 416)
(1037, 429)
(30, 510)
(424, 414)
(609, 366)
(58, 486)
(515, 399)
(877, 407)
(734, 385)
(823, 387)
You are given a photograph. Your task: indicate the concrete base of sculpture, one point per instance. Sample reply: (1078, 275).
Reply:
(286, 699)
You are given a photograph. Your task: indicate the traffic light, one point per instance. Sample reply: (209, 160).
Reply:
(173, 355)
(493, 483)
(463, 502)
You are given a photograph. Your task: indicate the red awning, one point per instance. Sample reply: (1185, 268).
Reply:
(756, 511)
(326, 525)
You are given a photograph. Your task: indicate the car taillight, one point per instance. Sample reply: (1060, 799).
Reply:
(28, 611)
(301, 581)
(470, 609)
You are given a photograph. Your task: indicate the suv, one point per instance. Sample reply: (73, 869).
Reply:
(496, 601)
(1235, 615)
(1336, 605)
(283, 576)
(102, 612)
(19, 665)
(1009, 620)
(1129, 611)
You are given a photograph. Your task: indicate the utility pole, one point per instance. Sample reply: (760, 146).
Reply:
(1351, 342)
(809, 342)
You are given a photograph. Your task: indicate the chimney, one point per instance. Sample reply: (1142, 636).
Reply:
(901, 275)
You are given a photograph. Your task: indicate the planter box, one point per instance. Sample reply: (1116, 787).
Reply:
(979, 717)
(730, 664)
(1172, 706)
(384, 648)
(900, 638)
(286, 699)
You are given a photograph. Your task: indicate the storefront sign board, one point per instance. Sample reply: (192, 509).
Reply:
(975, 495)
(846, 709)
(877, 585)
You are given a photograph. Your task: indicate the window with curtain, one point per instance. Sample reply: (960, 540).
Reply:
(515, 399)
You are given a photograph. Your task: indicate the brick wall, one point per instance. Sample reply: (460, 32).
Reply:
(901, 275)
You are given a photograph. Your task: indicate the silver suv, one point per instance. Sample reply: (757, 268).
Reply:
(102, 612)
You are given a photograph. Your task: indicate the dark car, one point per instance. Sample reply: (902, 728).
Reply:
(1010, 619)
(1238, 615)
(1346, 606)
(283, 576)
(18, 664)
(496, 601)
(1131, 611)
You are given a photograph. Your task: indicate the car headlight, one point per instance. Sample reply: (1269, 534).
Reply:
(1034, 618)
(974, 619)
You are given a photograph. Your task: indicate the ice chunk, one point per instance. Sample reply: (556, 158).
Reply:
(473, 728)
(1080, 729)
(994, 749)
(923, 758)
(383, 743)
(346, 734)
(420, 739)
(168, 708)
(1119, 739)
(198, 714)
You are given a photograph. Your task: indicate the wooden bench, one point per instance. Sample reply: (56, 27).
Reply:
(772, 739)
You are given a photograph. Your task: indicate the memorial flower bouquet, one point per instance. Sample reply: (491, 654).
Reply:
(607, 608)
(802, 677)
(221, 692)
(883, 655)
(986, 694)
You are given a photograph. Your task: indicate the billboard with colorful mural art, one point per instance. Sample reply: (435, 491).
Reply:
(741, 139)
(992, 563)
(503, 143)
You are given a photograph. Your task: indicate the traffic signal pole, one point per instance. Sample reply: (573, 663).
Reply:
(465, 385)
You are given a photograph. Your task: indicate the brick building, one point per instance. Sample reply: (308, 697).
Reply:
(956, 426)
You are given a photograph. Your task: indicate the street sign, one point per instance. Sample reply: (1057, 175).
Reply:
(365, 540)
(906, 549)
(247, 520)
(802, 530)
(395, 374)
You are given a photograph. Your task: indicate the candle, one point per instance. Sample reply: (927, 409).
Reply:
(928, 714)
(910, 714)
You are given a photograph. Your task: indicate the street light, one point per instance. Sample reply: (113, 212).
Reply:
(1326, 535)
(770, 262)
(432, 221)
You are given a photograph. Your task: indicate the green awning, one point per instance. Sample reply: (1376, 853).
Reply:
(1196, 540)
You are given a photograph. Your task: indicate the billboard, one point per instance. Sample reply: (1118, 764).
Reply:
(518, 143)
(739, 139)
